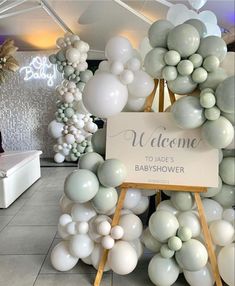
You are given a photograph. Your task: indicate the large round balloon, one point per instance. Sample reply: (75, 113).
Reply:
(90, 161)
(132, 198)
(142, 85)
(81, 245)
(98, 141)
(213, 46)
(184, 39)
(214, 79)
(192, 256)
(182, 201)
(154, 62)
(163, 225)
(150, 242)
(211, 192)
(163, 271)
(182, 85)
(222, 232)
(118, 49)
(204, 277)
(61, 259)
(190, 220)
(158, 33)
(227, 170)
(122, 258)
(218, 133)
(55, 129)
(81, 186)
(105, 199)
(213, 210)
(82, 212)
(188, 113)
(132, 226)
(226, 196)
(199, 25)
(225, 98)
(104, 95)
(226, 264)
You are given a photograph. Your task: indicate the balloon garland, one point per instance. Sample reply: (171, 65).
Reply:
(73, 124)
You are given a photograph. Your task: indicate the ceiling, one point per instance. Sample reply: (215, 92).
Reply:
(94, 21)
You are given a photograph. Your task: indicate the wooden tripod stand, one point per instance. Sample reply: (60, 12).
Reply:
(196, 190)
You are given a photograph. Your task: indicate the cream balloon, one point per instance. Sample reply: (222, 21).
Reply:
(213, 210)
(132, 226)
(132, 198)
(222, 232)
(226, 264)
(81, 245)
(203, 277)
(142, 206)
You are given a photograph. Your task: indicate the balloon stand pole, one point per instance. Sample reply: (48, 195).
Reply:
(196, 190)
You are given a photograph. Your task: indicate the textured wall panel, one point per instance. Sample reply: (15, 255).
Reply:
(26, 108)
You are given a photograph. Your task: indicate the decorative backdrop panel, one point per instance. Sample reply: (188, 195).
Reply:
(27, 104)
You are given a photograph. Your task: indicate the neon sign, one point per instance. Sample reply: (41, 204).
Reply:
(40, 68)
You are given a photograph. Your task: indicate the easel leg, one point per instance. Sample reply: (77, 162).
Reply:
(208, 240)
(115, 221)
(158, 197)
(161, 96)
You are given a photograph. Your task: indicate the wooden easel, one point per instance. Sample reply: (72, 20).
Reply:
(196, 190)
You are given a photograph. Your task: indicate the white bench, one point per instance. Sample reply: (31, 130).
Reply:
(18, 171)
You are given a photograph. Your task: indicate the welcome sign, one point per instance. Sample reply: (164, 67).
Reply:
(156, 151)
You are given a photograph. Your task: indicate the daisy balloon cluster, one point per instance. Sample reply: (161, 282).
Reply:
(120, 83)
(73, 125)
(184, 57)
(89, 201)
(174, 234)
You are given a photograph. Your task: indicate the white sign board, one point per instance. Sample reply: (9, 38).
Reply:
(156, 151)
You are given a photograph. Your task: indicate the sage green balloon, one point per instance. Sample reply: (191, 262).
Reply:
(169, 73)
(154, 62)
(196, 59)
(207, 100)
(172, 58)
(69, 112)
(98, 141)
(90, 161)
(185, 67)
(166, 252)
(182, 85)
(211, 192)
(163, 225)
(52, 59)
(61, 56)
(112, 173)
(226, 196)
(81, 186)
(188, 113)
(175, 243)
(86, 75)
(225, 95)
(218, 133)
(213, 46)
(211, 63)
(158, 33)
(182, 201)
(163, 271)
(207, 90)
(227, 170)
(192, 256)
(212, 113)
(81, 86)
(105, 199)
(229, 116)
(184, 233)
(199, 25)
(68, 70)
(199, 75)
(214, 79)
(185, 39)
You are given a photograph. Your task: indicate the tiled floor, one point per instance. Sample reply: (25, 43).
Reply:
(28, 233)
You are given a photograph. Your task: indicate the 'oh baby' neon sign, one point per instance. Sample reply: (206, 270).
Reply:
(40, 68)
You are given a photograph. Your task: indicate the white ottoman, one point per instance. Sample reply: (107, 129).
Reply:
(18, 171)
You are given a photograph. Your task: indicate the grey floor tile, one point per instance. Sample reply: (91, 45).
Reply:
(19, 270)
(26, 239)
(45, 198)
(32, 190)
(37, 215)
(4, 220)
(80, 268)
(13, 208)
(71, 280)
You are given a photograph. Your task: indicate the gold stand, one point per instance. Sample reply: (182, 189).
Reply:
(196, 190)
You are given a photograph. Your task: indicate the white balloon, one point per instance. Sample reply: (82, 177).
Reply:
(144, 47)
(93, 225)
(190, 220)
(122, 258)
(229, 215)
(135, 104)
(116, 68)
(134, 64)
(132, 198)
(132, 226)
(82, 227)
(62, 232)
(81, 245)
(82, 212)
(150, 242)
(61, 259)
(126, 77)
(226, 264)
(104, 95)
(197, 4)
(212, 30)
(207, 16)
(104, 228)
(69, 139)
(59, 158)
(222, 232)
(213, 210)
(142, 85)
(55, 129)
(142, 206)
(202, 277)
(117, 232)
(167, 205)
(174, 11)
(118, 49)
